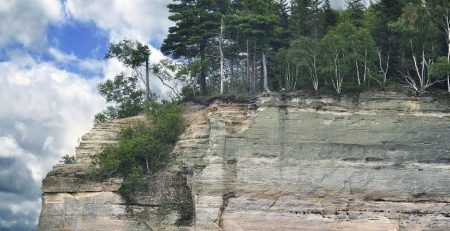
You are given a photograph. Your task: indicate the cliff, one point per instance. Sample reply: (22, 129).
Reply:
(377, 161)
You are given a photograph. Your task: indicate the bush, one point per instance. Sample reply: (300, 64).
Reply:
(124, 95)
(144, 147)
(67, 159)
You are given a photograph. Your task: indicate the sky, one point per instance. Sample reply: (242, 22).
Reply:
(51, 60)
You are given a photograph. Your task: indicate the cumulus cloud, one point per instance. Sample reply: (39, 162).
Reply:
(24, 22)
(44, 112)
(139, 19)
(61, 56)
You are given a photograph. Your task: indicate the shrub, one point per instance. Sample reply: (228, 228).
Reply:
(68, 159)
(143, 147)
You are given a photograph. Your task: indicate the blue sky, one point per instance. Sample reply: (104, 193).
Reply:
(51, 59)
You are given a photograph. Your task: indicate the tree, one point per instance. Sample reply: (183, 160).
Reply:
(330, 16)
(133, 55)
(306, 18)
(258, 26)
(68, 159)
(440, 11)
(125, 97)
(384, 13)
(418, 36)
(283, 14)
(197, 23)
(355, 12)
(349, 52)
(301, 57)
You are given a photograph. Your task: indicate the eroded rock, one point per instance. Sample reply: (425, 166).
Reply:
(377, 161)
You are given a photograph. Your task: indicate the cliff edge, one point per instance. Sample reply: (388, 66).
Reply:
(376, 161)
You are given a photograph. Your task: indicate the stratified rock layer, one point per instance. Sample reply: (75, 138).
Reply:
(378, 161)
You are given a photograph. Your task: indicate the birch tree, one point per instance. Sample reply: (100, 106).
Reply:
(418, 33)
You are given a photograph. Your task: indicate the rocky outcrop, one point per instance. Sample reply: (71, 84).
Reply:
(73, 200)
(376, 161)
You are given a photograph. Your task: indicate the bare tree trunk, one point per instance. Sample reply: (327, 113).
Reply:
(248, 68)
(316, 77)
(385, 69)
(365, 66)
(264, 63)
(287, 78)
(422, 74)
(357, 73)
(232, 68)
(148, 169)
(254, 67)
(222, 77)
(338, 80)
(447, 20)
(147, 80)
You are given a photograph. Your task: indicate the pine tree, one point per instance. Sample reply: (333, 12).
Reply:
(197, 23)
(330, 16)
(300, 18)
(283, 14)
(387, 12)
(306, 19)
(355, 12)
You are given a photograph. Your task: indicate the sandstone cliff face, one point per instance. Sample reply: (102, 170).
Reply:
(288, 162)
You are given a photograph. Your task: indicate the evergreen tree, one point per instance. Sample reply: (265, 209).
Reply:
(197, 22)
(283, 14)
(440, 11)
(355, 12)
(300, 18)
(387, 12)
(306, 19)
(330, 16)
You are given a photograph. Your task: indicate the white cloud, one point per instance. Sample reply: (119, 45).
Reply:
(139, 19)
(60, 56)
(25, 22)
(44, 111)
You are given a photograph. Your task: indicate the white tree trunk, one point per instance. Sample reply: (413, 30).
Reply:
(338, 79)
(222, 77)
(357, 73)
(264, 63)
(385, 69)
(147, 80)
(312, 65)
(422, 75)
(248, 67)
(447, 20)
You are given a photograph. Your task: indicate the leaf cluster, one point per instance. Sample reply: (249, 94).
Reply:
(144, 147)
(124, 95)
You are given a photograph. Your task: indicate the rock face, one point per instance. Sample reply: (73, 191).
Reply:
(378, 161)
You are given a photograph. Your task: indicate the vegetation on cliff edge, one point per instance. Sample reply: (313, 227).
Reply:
(143, 148)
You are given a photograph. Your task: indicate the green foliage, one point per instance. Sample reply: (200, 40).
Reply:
(298, 64)
(131, 186)
(132, 54)
(167, 119)
(143, 147)
(355, 12)
(330, 16)
(350, 39)
(441, 68)
(127, 98)
(68, 159)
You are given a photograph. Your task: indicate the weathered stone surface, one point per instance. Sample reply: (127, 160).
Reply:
(377, 161)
